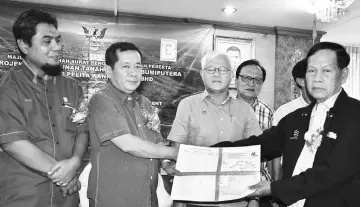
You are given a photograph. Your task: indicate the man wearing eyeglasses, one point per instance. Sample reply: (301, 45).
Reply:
(250, 76)
(212, 116)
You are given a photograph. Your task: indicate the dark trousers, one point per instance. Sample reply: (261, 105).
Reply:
(91, 203)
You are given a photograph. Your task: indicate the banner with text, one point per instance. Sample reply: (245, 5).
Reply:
(171, 54)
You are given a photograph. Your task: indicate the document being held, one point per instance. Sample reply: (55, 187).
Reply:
(216, 174)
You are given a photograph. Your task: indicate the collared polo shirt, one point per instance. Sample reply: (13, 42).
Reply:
(32, 108)
(118, 178)
(200, 121)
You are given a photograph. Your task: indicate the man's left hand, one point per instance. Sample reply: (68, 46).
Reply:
(64, 171)
(262, 188)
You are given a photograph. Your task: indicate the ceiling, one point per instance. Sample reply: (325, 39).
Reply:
(286, 13)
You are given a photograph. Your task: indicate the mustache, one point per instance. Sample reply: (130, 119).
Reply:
(52, 70)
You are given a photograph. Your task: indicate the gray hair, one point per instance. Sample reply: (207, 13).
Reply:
(214, 54)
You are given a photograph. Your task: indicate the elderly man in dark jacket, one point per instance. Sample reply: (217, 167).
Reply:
(320, 143)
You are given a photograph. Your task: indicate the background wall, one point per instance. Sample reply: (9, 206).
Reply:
(289, 50)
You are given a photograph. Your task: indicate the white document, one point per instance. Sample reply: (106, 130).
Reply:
(216, 174)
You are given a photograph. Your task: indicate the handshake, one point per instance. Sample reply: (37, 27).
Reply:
(64, 174)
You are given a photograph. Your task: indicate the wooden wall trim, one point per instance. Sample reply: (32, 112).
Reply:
(216, 24)
(304, 33)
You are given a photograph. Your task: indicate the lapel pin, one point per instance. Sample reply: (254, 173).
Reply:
(204, 111)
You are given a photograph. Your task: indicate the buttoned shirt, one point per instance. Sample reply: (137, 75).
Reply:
(37, 110)
(202, 122)
(118, 178)
(287, 108)
(318, 117)
(264, 114)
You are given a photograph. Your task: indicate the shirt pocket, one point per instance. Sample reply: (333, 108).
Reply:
(69, 126)
(327, 145)
(32, 115)
(28, 108)
(330, 138)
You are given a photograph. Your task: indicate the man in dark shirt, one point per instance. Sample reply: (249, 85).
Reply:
(320, 143)
(123, 133)
(41, 143)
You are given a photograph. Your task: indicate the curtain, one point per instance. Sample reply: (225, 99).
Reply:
(352, 85)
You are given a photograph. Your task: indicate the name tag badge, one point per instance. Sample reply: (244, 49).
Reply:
(332, 135)
(66, 102)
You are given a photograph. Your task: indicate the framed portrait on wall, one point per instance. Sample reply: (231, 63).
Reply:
(238, 50)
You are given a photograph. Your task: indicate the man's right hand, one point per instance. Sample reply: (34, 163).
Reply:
(73, 187)
(169, 167)
(64, 171)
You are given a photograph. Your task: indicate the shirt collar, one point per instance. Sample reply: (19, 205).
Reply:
(135, 96)
(255, 103)
(330, 101)
(36, 76)
(303, 101)
(205, 94)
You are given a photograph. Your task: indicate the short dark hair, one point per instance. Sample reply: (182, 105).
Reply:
(111, 56)
(299, 70)
(251, 62)
(342, 57)
(24, 27)
(234, 48)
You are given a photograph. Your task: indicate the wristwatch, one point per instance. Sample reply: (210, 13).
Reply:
(256, 198)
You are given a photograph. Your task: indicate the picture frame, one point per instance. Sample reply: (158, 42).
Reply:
(239, 50)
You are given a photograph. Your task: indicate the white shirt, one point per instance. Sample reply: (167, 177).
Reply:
(287, 108)
(318, 117)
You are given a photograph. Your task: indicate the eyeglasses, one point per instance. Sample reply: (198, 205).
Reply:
(221, 70)
(248, 79)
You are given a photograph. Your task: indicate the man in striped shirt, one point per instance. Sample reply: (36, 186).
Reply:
(250, 76)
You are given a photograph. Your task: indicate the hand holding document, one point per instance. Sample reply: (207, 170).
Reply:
(216, 174)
